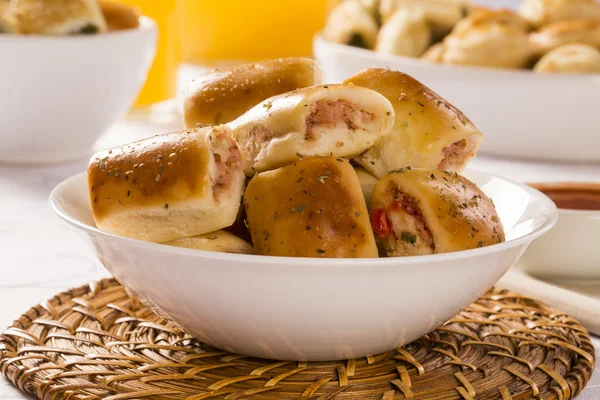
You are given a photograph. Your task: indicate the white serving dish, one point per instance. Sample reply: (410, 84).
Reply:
(305, 308)
(570, 252)
(521, 113)
(60, 94)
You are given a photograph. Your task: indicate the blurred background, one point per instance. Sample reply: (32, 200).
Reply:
(200, 34)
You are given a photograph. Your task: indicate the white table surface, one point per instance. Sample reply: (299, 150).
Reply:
(42, 256)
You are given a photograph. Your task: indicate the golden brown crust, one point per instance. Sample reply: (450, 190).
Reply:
(58, 17)
(489, 38)
(442, 14)
(119, 16)
(425, 125)
(222, 95)
(150, 172)
(7, 22)
(570, 59)
(456, 212)
(169, 186)
(486, 16)
(566, 32)
(313, 208)
(544, 12)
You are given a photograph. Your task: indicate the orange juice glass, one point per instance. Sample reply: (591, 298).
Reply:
(161, 84)
(248, 30)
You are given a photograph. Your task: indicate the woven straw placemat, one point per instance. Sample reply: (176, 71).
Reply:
(96, 342)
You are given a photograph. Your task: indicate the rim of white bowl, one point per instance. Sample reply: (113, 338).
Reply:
(417, 62)
(147, 24)
(552, 217)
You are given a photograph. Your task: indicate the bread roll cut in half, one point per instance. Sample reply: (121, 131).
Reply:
(58, 17)
(428, 131)
(312, 208)
(419, 212)
(119, 16)
(219, 241)
(169, 186)
(543, 12)
(221, 95)
(570, 59)
(407, 33)
(351, 23)
(328, 120)
(559, 34)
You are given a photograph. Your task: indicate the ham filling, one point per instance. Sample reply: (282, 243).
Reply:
(403, 227)
(226, 159)
(336, 113)
(455, 156)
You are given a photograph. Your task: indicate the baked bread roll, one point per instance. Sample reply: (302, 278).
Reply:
(407, 33)
(570, 59)
(418, 212)
(58, 17)
(219, 241)
(222, 95)
(168, 187)
(566, 32)
(7, 22)
(312, 208)
(434, 54)
(119, 16)
(351, 23)
(428, 131)
(441, 14)
(489, 39)
(367, 183)
(335, 120)
(497, 16)
(372, 6)
(543, 12)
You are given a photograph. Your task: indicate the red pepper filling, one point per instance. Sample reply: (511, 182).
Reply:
(381, 223)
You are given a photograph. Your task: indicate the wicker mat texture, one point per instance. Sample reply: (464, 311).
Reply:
(97, 342)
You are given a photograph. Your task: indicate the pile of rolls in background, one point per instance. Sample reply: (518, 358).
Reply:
(548, 36)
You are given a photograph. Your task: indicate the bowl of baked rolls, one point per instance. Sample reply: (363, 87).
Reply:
(298, 220)
(525, 76)
(69, 70)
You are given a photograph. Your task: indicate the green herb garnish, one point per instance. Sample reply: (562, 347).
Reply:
(409, 238)
(298, 209)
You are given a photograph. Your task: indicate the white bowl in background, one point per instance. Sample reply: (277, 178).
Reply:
(307, 308)
(521, 113)
(60, 94)
(570, 251)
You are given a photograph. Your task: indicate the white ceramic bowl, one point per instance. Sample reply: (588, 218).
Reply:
(305, 308)
(521, 113)
(60, 94)
(570, 251)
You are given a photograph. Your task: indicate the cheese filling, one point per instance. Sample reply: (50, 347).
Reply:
(402, 229)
